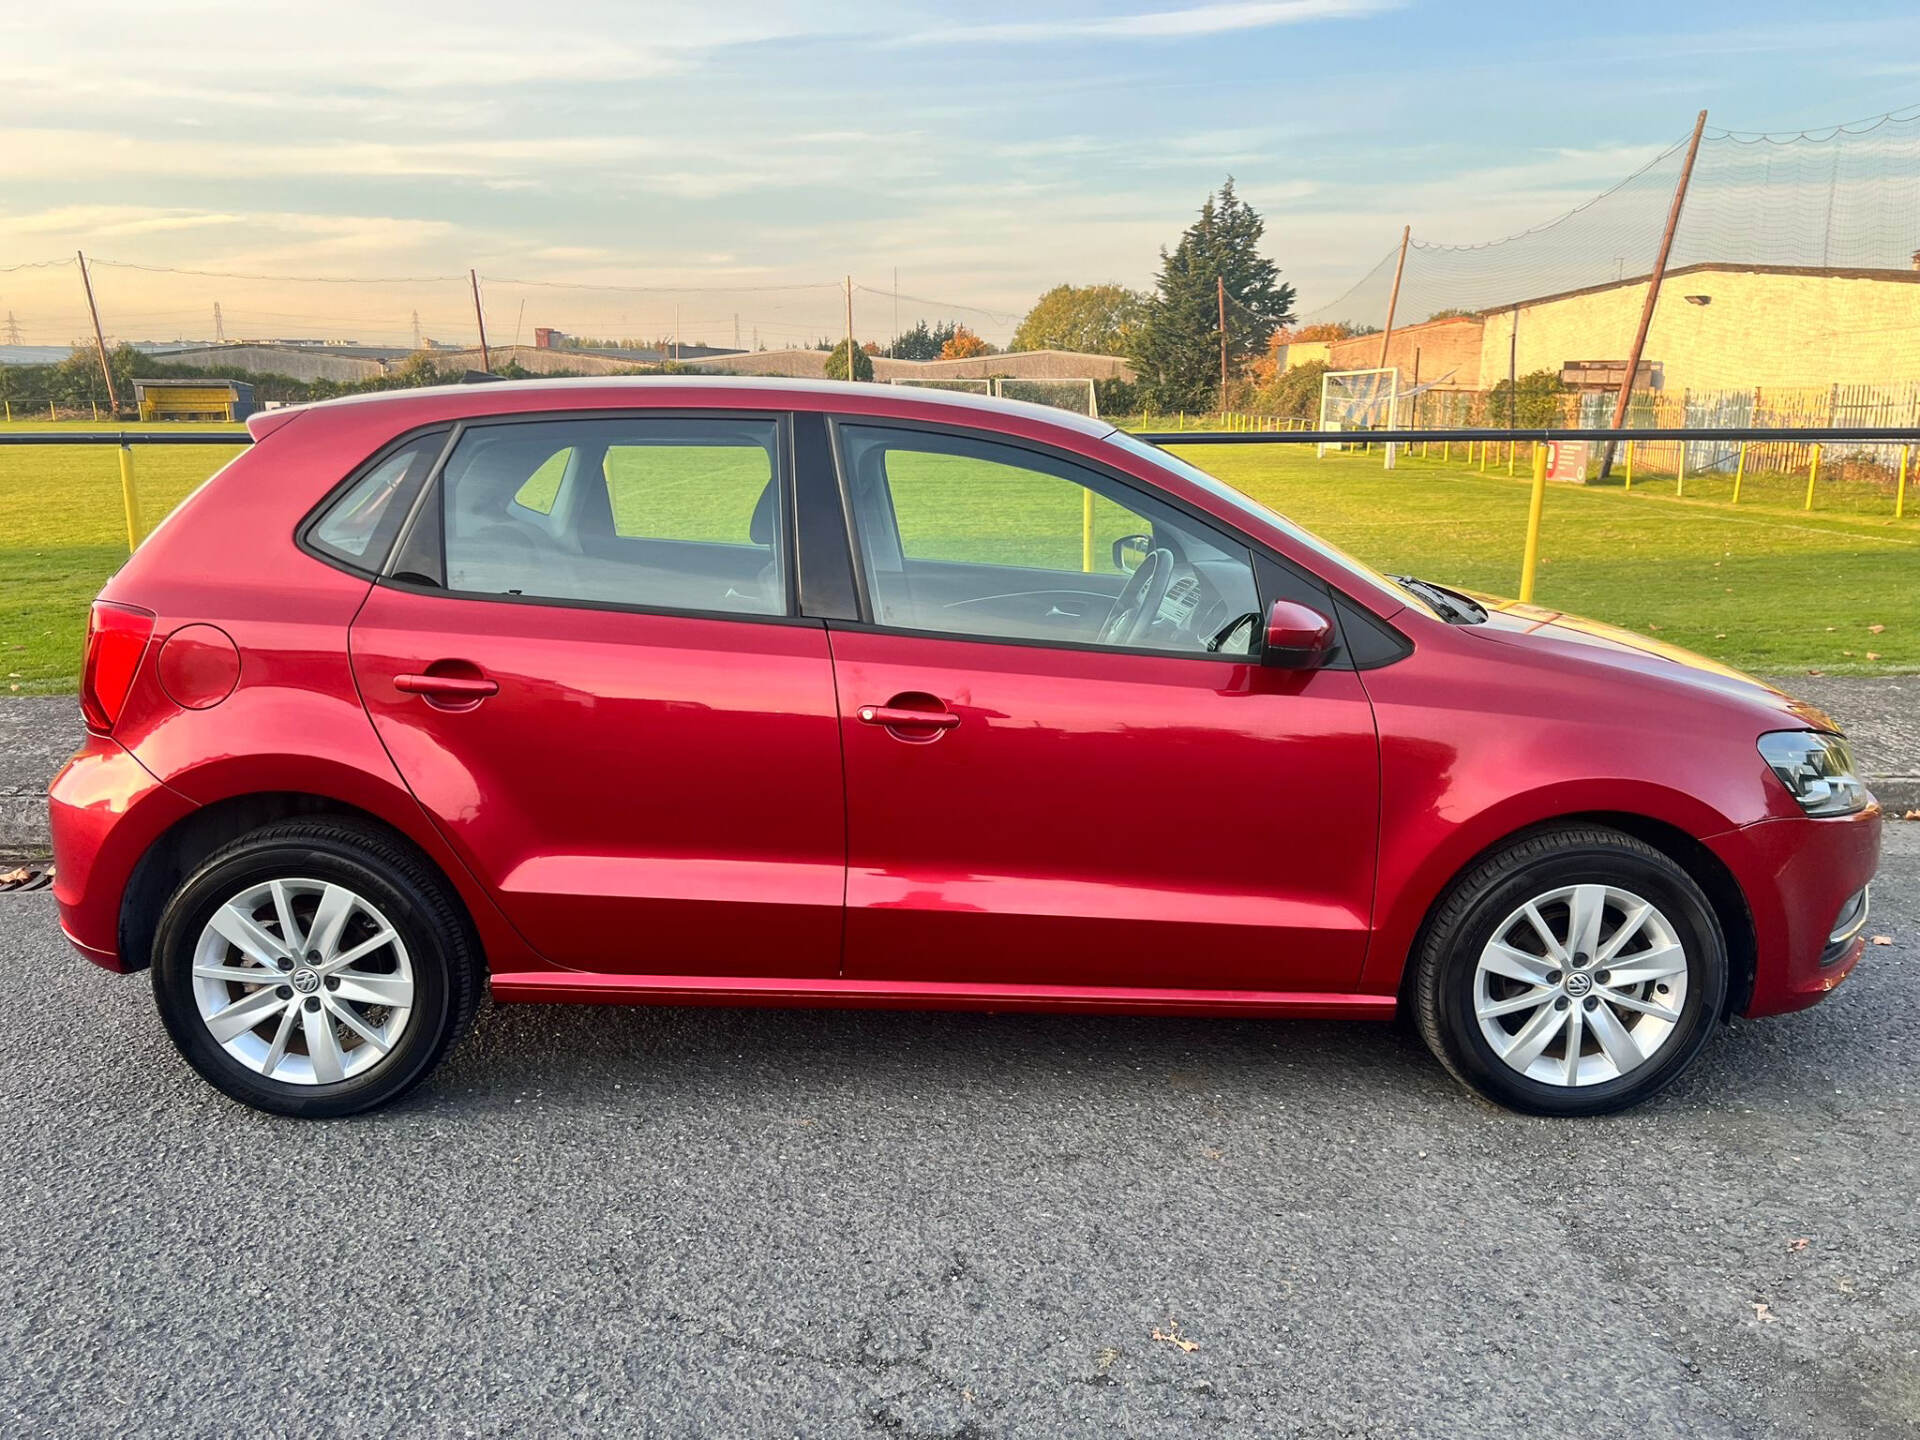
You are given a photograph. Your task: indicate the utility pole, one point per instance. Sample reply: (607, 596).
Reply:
(736, 329)
(1393, 297)
(851, 372)
(99, 339)
(219, 325)
(480, 318)
(1220, 294)
(1653, 293)
(1513, 368)
(676, 332)
(518, 320)
(13, 329)
(418, 344)
(893, 350)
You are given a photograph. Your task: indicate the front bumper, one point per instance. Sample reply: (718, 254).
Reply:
(105, 809)
(1799, 877)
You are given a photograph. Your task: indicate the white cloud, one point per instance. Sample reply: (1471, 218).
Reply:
(1197, 20)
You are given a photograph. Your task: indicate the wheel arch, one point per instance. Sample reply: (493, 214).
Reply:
(178, 849)
(1705, 869)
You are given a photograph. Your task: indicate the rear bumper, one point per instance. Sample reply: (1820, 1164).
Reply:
(1799, 876)
(105, 809)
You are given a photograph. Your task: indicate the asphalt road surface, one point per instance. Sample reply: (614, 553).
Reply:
(732, 1223)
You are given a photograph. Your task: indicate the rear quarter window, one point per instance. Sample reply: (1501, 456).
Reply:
(359, 525)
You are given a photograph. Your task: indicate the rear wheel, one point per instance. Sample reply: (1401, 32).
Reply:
(314, 968)
(1575, 972)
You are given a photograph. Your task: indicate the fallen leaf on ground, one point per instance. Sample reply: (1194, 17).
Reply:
(1172, 1336)
(16, 877)
(1763, 1312)
(1911, 815)
(1882, 940)
(1875, 629)
(1800, 1244)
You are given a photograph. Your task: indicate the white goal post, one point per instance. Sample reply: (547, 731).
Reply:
(1359, 400)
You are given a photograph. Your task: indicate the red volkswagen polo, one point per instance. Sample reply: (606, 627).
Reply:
(761, 693)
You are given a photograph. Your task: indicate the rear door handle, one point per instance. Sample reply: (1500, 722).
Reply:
(446, 687)
(896, 716)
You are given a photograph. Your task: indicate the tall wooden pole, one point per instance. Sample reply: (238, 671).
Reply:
(852, 374)
(1393, 297)
(1220, 293)
(99, 339)
(480, 318)
(1653, 292)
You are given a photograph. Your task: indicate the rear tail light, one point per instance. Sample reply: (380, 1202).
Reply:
(117, 637)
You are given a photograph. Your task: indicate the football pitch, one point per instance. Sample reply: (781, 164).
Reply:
(1766, 586)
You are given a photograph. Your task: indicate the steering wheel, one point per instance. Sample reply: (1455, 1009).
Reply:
(1138, 604)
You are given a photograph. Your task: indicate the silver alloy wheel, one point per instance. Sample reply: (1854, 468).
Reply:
(303, 981)
(1581, 985)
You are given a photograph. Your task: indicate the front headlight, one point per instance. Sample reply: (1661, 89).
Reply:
(1817, 770)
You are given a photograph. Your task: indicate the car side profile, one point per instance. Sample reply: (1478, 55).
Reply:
(700, 691)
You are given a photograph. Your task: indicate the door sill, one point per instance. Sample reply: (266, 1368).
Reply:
(574, 987)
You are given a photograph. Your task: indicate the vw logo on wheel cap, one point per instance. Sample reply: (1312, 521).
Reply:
(306, 981)
(1579, 983)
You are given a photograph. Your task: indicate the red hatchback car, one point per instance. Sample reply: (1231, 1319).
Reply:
(765, 693)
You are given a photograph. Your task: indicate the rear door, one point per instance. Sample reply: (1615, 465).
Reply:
(586, 663)
(1064, 767)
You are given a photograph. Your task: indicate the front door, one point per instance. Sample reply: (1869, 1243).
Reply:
(1063, 765)
(584, 666)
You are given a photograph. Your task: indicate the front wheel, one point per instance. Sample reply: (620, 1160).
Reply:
(1575, 972)
(314, 968)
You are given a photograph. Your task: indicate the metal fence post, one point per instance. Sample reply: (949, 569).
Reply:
(129, 498)
(1813, 474)
(1900, 493)
(1086, 532)
(1530, 557)
(1739, 472)
(1629, 484)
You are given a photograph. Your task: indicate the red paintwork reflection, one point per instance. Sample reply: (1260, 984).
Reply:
(1105, 819)
(643, 793)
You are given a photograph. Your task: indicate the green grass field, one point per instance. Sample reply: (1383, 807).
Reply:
(1765, 586)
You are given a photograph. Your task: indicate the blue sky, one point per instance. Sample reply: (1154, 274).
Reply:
(986, 151)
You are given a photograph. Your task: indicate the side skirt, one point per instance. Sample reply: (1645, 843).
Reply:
(572, 987)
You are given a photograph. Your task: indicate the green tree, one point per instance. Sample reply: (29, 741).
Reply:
(923, 341)
(1096, 319)
(1535, 401)
(837, 363)
(1176, 349)
(1295, 392)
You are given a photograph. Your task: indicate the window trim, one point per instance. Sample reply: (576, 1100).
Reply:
(868, 624)
(784, 546)
(303, 532)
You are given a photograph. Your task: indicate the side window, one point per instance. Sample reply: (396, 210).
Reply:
(670, 513)
(970, 536)
(359, 526)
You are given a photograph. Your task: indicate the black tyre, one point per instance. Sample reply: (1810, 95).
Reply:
(1576, 971)
(315, 968)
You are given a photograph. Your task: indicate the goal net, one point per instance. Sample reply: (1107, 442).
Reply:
(1074, 395)
(1358, 400)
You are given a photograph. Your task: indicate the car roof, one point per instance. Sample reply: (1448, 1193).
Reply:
(611, 391)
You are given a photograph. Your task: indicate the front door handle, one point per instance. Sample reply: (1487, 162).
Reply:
(456, 688)
(899, 717)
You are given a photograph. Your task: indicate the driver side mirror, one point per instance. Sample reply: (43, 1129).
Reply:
(1297, 637)
(1130, 552)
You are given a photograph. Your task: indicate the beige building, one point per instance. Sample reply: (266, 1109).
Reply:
(1018, 364)
(1726, 327)
(1717, 327)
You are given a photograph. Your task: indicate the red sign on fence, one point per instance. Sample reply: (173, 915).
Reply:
(1567, 460)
